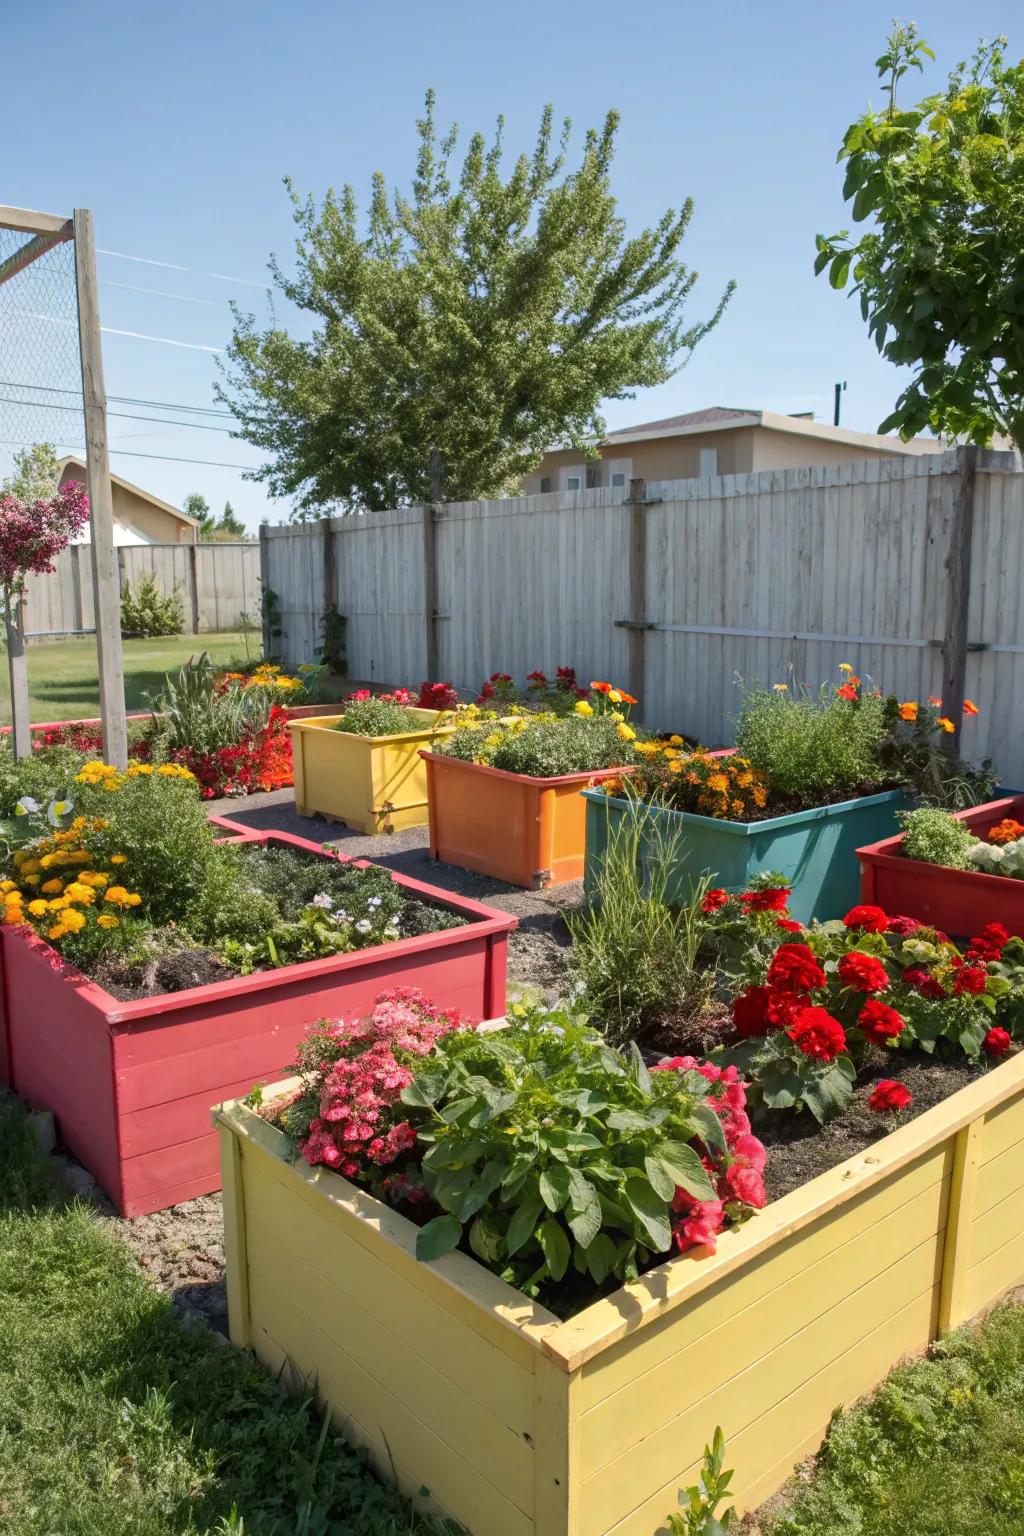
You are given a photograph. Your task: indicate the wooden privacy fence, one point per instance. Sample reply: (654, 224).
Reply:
(218, 583)
(908, 569)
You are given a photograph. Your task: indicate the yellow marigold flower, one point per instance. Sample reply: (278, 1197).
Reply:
(139, 770)
(844, 666)
(946, 725)
(676, 767)
(52, 887)
(675, 741)
(759, 795)
(625, 732)
(781, 687)
(134, 899)
(38, 907)
(5, 886)
(614, 695)
(57, 931)
(118, 858)
(84, 895)
(13, 898)
(108, 920)
(582, 707)
(48, 860)
(31, 867)
(719, 783)
(13, 915)
(32, 879)
(73, 921)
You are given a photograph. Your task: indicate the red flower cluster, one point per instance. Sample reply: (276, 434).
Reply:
(262, 761)
(356, 1129)
(437, 696)
(738, 1177)
(867, 919)
(817, 1033)
(996, 1043)
(863, 973)
(795, 969)
(890, 1096)
(32, 534)
(989, 943)
(879, 1022)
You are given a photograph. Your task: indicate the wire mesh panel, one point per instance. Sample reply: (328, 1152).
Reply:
(40, 370)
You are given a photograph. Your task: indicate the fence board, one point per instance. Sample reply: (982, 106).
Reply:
(746, 575)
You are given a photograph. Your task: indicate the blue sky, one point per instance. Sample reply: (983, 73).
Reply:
(175, 123)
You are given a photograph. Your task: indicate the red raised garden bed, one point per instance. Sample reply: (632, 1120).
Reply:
(131, 1084)
(958, 901)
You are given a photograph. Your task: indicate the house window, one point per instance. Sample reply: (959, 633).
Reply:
(618, 480)
(572, 483)
(545, 483)
(708, 462)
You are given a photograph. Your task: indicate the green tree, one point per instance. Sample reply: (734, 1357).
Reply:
(941, 274)
(231, 525)
(480, 319)
(197, 506)
(36, 472)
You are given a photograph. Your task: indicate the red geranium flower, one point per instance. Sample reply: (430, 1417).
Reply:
(989, 943)
(848, 692)
(750, 1012)
(714, 900)
(889, 1095)
(922, 981)
(867, 918)
(770, 899)
(601, 687)
(794, 968)
(863, 973)
(745, 1183)
(789, 924)
(903, 925)
(996, 1043)
(970, 978)
(818, 1034)
(880, 1022)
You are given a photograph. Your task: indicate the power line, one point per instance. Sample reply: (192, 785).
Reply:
(196, 426)
(131, 453)
(163, 405)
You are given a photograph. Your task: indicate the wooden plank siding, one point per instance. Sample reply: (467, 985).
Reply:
(227, 576)
(519, 1423)
(799, 568)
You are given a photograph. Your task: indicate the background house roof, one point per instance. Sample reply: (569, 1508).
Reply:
(136, 490)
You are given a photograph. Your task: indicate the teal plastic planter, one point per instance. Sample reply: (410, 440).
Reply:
(815, 850)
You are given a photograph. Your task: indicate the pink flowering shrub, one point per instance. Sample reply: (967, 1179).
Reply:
(347, 1115)
(32, 534)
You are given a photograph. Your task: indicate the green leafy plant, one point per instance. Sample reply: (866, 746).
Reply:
(812, 746)
(556, 1156)
(635, 955)
(699, 1504)
(148, 612)
(334, 640)
(382, 715)
(939, 272)
(544, 746)
(193, 713)
(936, 837)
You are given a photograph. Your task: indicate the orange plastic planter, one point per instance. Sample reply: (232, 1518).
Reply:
(525, 831)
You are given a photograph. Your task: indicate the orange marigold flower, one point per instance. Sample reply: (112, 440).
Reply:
(970, 708)
(908, 711)
(946, 725)
(1005, 831)
(934, 701)
(847, 691)
(601, 687)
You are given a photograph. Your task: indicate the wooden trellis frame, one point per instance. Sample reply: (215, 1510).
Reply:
(44, 231)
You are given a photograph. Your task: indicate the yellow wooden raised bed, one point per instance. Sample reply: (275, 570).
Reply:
(521, 1425)
(370, 783)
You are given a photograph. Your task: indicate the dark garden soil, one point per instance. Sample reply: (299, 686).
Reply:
(177, 971)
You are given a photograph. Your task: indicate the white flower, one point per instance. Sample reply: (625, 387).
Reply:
(374, 901)
(323, 901)
(364, 925)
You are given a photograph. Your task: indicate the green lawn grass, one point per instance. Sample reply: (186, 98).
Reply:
(62, 674)
(116, 1419)
(937, 1451)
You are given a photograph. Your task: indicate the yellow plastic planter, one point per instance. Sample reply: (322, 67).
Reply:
(521, 1425)
(369, 783)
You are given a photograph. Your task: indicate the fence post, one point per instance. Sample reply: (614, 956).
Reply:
(77, 610)
(637, 624)
(330, 572)
(435, 480)
(958, 592)
(265, 587)
(193, 583)
(101, 508)
(17, 667)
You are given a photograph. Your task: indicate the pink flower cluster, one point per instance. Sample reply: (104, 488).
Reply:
(356, 1127)
(32, 534)
(738, 1176)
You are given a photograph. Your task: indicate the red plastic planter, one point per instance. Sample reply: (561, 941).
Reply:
(958, 901)
(131, 1084)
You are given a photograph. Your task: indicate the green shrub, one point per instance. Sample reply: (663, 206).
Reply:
(192, 712)
(375, 717)
(544, 747)
(148, 612)
(812, 746)
(634, 957)
(936, 837)
(45, 776)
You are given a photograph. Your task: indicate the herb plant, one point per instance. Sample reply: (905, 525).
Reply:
(544, 746)
(936, 837)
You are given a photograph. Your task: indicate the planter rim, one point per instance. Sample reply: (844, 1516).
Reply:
(327, 722)
(750, 828)
(142, 714)
(486, 920)
(588, 776)
(679, 1278)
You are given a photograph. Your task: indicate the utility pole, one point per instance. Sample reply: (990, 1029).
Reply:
(839, 403)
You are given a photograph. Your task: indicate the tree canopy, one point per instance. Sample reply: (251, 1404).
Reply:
(941, 274)
(36, 472)
(481, 318)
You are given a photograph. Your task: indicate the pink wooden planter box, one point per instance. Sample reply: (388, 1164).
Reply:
(958, 901)
(131, 1084)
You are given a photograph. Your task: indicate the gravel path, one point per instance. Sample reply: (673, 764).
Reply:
(182, 1249)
